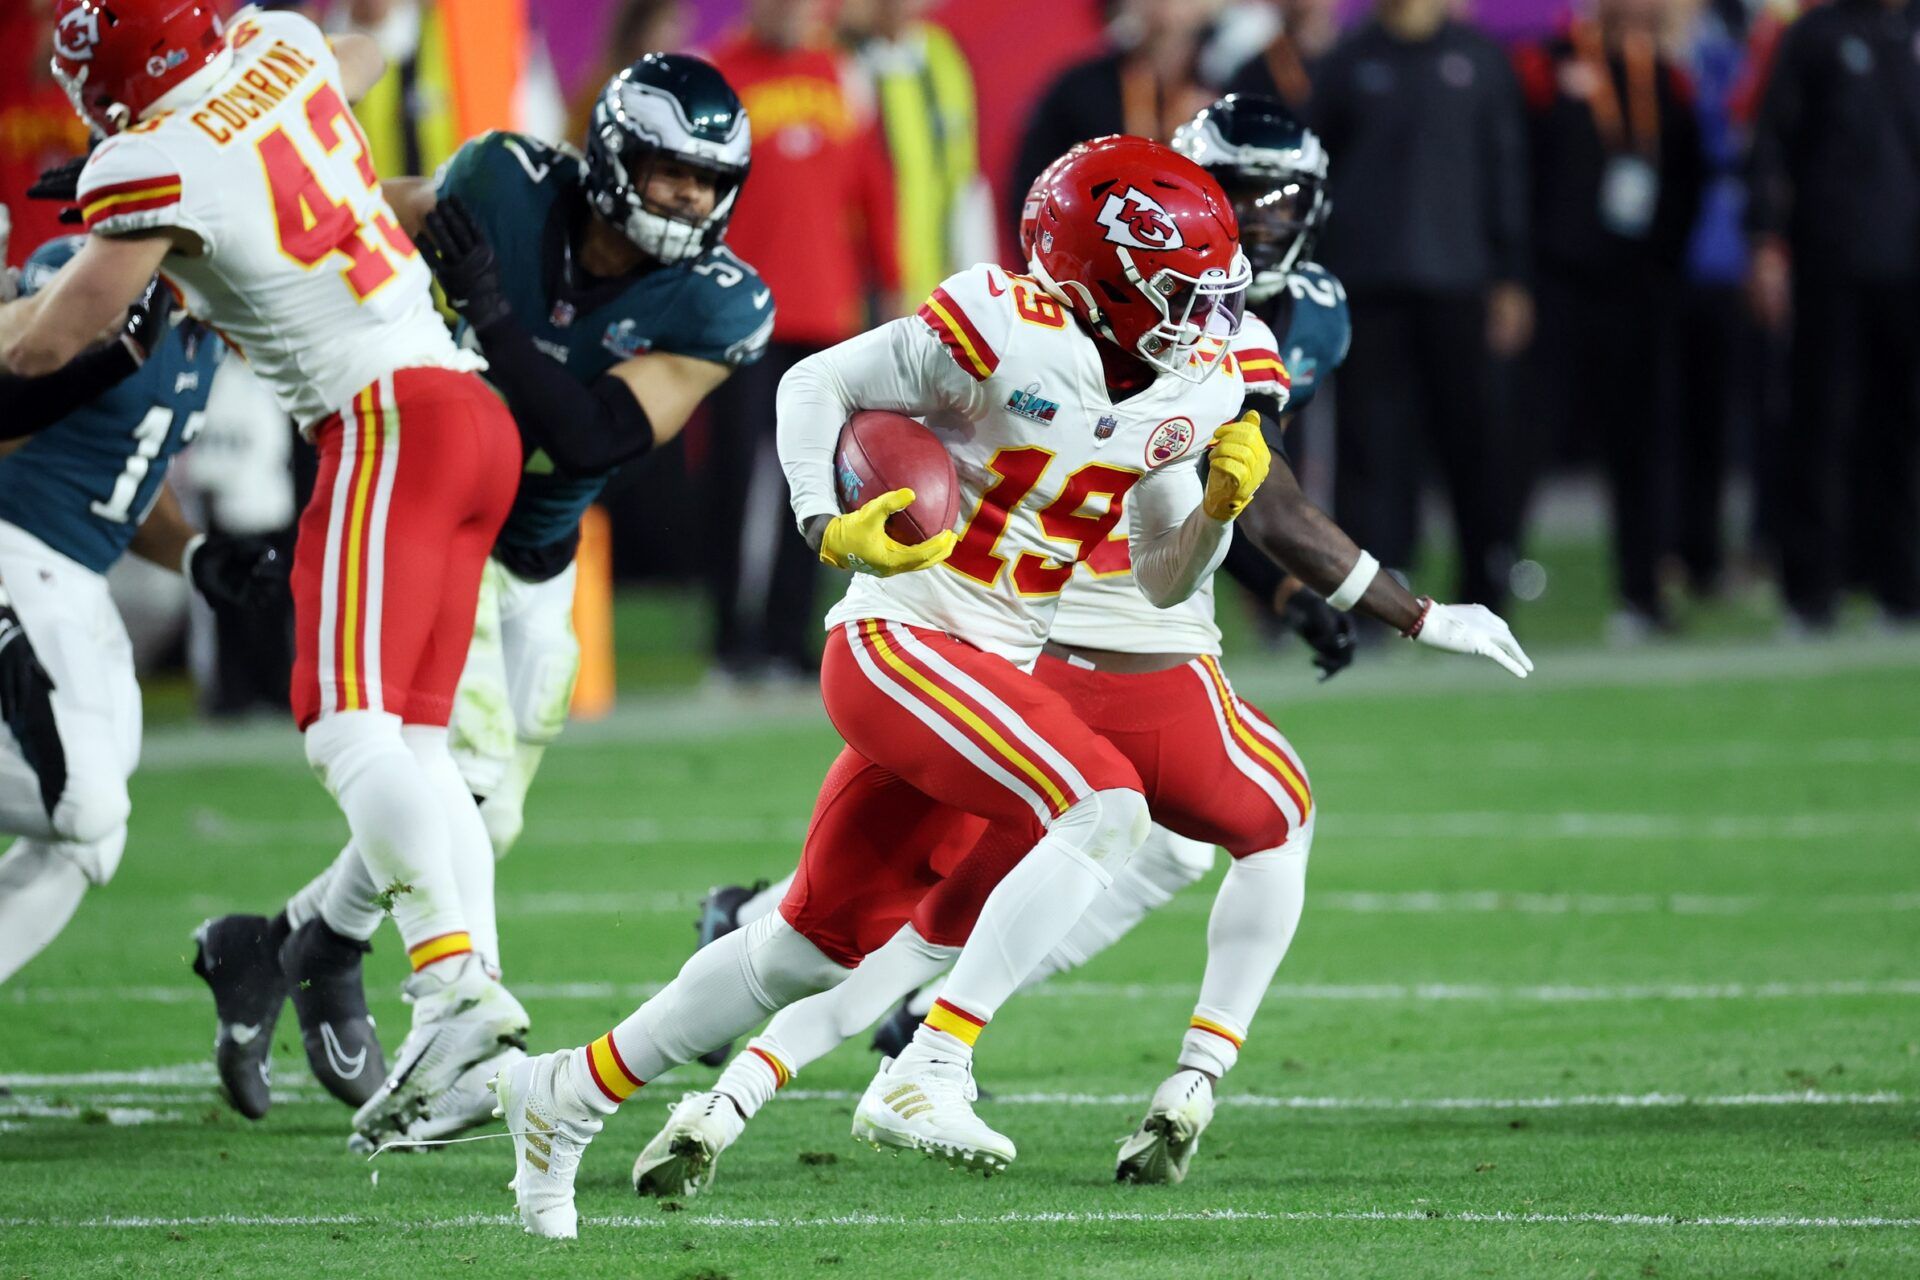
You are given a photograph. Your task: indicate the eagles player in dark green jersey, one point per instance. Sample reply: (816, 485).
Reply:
(600, 290)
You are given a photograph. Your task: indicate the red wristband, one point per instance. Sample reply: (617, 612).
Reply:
(1426, 607)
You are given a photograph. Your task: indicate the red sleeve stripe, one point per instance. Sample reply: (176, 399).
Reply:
(1263, 366)
(129, 197)
(962, 341)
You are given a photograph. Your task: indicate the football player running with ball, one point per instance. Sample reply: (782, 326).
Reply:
(608, 306)
(1069, 400)
(233, 166)
(1215, 769)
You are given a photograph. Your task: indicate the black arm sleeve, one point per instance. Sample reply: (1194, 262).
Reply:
(586, 430)
(34, 404)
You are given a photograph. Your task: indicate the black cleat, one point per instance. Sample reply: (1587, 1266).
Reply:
(235, 956)
(895, 1033)
(323, 974)
(720, 916)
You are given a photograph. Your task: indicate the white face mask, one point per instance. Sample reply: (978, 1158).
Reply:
(1198, 315)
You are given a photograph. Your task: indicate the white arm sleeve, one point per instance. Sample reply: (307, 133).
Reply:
(899, 366)
(1175, 545)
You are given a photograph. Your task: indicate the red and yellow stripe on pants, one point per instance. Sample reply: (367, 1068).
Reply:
(1255, 747)
(354, 575)
(967, 716)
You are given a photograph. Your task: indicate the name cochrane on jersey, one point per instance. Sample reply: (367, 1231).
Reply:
(256, 94)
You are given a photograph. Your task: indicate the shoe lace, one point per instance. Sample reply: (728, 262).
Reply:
(949, 1082)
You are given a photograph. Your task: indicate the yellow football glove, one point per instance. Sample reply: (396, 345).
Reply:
(1236, 466)
(859, 540)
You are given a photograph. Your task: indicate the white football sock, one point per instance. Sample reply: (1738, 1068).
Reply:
(721, 991)
(341, 897)
(762, 902)
(808, 1030)
(1038, 903)
(1160, 868)
(1253, 922)
(398, 822)
(470, 850)
(40, 889)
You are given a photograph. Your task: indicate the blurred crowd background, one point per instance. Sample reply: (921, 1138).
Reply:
(1641, 276)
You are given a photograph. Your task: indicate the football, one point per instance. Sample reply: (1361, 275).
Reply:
(880, 452)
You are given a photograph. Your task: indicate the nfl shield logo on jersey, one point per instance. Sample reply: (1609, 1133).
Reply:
(562, 314)
(1104, 429)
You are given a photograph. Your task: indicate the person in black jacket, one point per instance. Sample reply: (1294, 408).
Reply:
(1144, 85)
(1835, 214)
(1425, 115)
(1617, 172)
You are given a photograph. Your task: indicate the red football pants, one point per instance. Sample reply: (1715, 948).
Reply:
(415, 480)
(942, 739)
(1214, 768)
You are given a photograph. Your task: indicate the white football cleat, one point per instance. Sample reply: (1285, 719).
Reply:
(465, 1026)
(548, 1138)
(1162, 1147)
(921, 1103)
(681, 1158)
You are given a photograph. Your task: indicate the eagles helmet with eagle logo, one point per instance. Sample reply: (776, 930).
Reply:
(1274, 170)
(675, 107)
(1140, 244)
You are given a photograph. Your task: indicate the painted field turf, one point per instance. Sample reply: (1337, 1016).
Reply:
(1613, 973)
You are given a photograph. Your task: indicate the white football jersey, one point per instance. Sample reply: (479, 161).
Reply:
(304, 268)
(1051, 471)
(1103, 609)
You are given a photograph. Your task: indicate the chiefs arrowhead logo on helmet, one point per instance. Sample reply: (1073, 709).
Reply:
(1135, 219)
(77, 34)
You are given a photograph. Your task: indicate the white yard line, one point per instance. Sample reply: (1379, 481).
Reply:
(690, 716)
(165, 1083)
(667, 902)
(672, 835)
(1415, 993)
(858, 1221)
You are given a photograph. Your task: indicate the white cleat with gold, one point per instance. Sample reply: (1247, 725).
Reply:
(548, 1138)
(1163, 1146)
(918, 1102)
(681, 1158)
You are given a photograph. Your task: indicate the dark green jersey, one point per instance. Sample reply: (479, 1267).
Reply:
(529, 198)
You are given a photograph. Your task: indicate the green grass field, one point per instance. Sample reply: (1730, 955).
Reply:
(1613, 973)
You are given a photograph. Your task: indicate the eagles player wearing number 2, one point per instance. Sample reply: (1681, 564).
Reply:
(233, 166)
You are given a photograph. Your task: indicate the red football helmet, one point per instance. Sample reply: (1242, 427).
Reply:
(116, 58)
(1037, 193)
(1141, 244)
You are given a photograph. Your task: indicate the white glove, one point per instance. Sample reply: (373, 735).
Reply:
(1470, 628)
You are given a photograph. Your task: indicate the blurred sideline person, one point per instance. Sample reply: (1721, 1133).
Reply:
(1720, 355)
(1835, 217)
(924, 90)
(608, 305)
(37, 126)
(1435, 272)
(88, 486)
(417, 455)
(1617, 174)
(1144, 86)
(1284, 68)
(820, 226)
